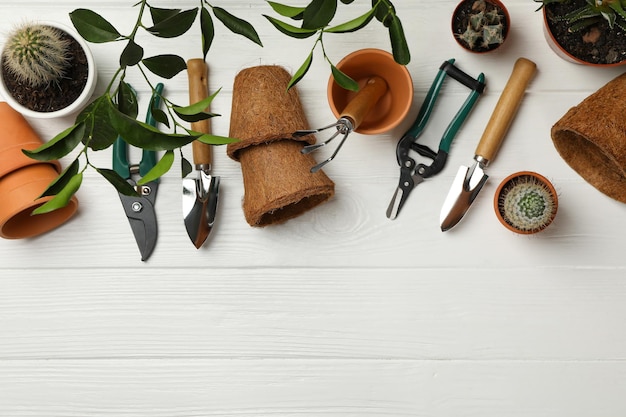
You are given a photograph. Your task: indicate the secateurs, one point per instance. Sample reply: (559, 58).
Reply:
(413, 173)
(139, 209)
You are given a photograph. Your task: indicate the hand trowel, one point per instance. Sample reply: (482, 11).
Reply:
(469, 181)
(200, 194)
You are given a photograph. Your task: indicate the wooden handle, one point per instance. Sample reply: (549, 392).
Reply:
(506, 108)
(365, 100)
(198, 74)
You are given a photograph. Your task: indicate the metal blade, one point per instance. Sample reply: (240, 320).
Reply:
(142, 219)
(200, 198)
(465, 187)
(400, 195)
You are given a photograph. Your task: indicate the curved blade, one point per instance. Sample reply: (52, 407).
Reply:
(142, 218)
(463, 191)
(200, 198)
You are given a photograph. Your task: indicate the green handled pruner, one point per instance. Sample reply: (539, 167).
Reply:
(140, 209)
(412, 173)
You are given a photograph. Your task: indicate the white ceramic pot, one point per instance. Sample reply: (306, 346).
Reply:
(80, 102)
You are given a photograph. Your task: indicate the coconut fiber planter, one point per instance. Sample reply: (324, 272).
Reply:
(590, 138)
(23, 180)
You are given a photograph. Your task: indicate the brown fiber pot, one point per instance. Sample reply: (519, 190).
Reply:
(394, 105)
(23, 180)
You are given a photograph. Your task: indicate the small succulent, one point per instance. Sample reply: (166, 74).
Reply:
(594, 11)
(485, 26)
(527, 203)
(36, 54)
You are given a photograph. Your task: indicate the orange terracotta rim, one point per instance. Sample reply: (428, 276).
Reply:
(20, 191)
(395, 104)
(502, 187)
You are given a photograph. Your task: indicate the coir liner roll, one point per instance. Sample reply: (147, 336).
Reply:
(278, 184)
(591, 138)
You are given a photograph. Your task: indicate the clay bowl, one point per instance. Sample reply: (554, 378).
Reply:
(392, 107)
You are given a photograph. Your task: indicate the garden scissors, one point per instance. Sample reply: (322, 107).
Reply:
(412, 173)
(140, 209)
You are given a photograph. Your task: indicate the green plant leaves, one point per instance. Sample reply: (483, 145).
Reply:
(127, 100)
(171, 23)
(99, 133)
(161, 167)
(290, 30)
(185, 167)
(207, 30)
(63, 197)
(237, 25)
(166, 66)
(318, 14)
(59, 146)
(287, 11)
(93, 27)
(131, 55)
(343, 80)
(62, 180)
(304, 68)
(354, 24)
(399, 46)
(120, 184)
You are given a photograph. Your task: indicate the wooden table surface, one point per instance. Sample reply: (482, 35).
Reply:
(341, 311)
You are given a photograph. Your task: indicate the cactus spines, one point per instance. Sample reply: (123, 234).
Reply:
(36, 54)
(482, 25)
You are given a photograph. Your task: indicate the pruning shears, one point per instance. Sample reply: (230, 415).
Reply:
(413, 173)
(139, 208)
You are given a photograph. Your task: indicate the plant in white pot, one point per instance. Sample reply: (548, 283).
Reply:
(46, 71)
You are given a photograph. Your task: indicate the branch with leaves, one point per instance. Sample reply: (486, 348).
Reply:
(114, 113)
(315, 20)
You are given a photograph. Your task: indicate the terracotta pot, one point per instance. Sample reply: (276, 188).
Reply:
(459, 25)
(562, 53)
(394, 105)
(533, 216)
(19, 191)
(80, 102)
(23, 180)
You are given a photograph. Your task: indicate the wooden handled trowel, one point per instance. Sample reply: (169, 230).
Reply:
(469, 181)
(200, 194)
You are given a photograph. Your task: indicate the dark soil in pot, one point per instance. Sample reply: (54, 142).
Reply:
(462, 23)
(55, 96)
(597, 44)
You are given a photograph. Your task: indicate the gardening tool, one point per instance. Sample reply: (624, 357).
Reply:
(200, 195)
(349, 119)
(139, 209)
(412, 173)
(469, 181)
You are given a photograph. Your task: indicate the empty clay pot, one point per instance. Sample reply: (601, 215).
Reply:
(392, 107)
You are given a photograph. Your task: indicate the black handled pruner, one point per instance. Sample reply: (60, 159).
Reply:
(412, 173)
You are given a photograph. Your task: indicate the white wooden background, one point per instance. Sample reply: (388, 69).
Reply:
(339, 312)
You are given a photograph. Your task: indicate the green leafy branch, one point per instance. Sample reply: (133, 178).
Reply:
(315, 20)
(114, 113)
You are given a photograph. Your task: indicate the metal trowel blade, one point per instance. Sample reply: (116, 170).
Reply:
(200, 197)
(463, 191)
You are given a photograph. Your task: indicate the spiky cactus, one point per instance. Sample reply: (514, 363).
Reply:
(36, 54)
(485, 26)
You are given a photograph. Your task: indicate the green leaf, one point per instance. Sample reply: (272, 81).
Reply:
(354, 24)
(143, 135)
(161, 167)
(166, 66)
(99, 133)
(131, 55)
(197, 111)
(62, 180)
(174, 25)
(385, 11)
(347, 1)
(319, 13)
(159, 15)
(215, 139)
(127, 100)
(185, 167)
(208, 31)
(304, 68)
(93, 27)
(237, 25)
(399, 46)
(290, 30)
(344, 80)
(287, 11)
(59, 146)
(121, 185)
(160, 116)
(63, 197)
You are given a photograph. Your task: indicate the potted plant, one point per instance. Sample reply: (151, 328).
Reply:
(589, 32)
(480, 25)
(47, 71)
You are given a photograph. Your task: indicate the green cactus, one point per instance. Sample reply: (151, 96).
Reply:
(485, 26)
(36, 54)
(527, 203)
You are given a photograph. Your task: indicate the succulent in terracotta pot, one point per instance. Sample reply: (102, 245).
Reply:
(589, 32)
(46, 70)
(480, 25)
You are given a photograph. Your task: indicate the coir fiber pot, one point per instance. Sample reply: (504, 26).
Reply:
(590, 138)
(393, 106)
(278, 184)
(23, 180)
